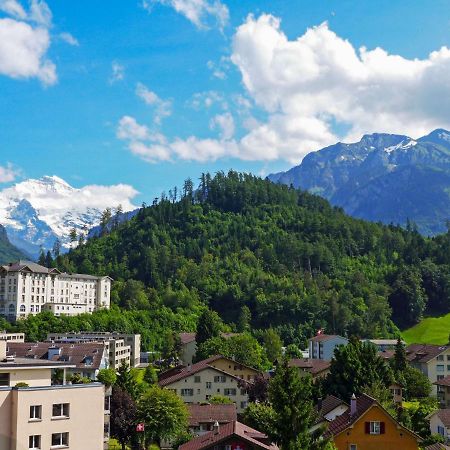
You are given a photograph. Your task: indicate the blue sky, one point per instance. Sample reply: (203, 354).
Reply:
(144, 94)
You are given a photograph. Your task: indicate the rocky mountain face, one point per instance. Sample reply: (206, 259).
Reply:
(7, 251)
(36, 213)
(383, 177)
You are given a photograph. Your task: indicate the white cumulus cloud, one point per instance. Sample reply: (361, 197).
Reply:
(225, 123)
(7, 173)
(163, 108)
(69, 39)
(200, 12)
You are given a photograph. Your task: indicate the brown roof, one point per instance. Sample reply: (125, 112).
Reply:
(253, 437)
(323, 337)
(86, 355)
(186, 338)
(30, 265)
(363, 404)
(444, 415)
(444, 382)
(423, 353)
(437, 447)
(312, 366)
(211, 413)
(329, 403)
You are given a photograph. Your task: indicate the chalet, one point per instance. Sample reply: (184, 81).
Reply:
(440, 423)
(203, 417)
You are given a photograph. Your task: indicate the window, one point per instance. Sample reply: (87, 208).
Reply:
(197, 379)
(353, 447)
(440, 358)
(243, 405)
(440, 368)
(220, 379)
(441, 430)
(4, 379)
(374, 427)
(208, 385)
(35, 412)
(60, 410)
(60, 440)
(34, 442)
(187, 392)
(229, 392)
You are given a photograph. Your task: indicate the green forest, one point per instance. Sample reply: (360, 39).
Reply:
(261, 255)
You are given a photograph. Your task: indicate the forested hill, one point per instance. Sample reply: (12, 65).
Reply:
(297, 263)
(8, 252)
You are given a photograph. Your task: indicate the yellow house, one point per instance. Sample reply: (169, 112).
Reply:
(366, 425)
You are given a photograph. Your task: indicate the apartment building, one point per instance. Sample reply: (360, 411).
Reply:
(35, 414)
(322, 345)
(203, 417)
(12, 337)
(29, 288)
(85, 359)
(121, 346)
(217, 375)
(443, 391)
(432, 360)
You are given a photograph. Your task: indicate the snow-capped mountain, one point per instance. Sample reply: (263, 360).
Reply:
(36, 213)
(383, 177)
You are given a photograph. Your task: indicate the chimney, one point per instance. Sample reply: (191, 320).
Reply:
(353, 405)
(216, 427)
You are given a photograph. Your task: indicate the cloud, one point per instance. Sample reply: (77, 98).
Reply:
(117, 72)
(69, 39)
(22, 52)
(40, 13)
(7, 173)
(200, 12)
(163, 108)
(207, 99)
(225, 123)
(13, 8)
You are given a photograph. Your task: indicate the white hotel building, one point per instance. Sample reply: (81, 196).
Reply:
(29, 288)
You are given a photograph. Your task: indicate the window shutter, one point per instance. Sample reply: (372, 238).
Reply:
(367, 427)
(382, 429)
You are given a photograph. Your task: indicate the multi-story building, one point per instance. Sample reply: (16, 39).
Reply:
(12, 337)
(28, 288)
(35, 414)
(86, 359)
(443, 391)
(322, 346)
(317, 368)
(440, 423)
(217, 375)
(432, 360)
(121, 347)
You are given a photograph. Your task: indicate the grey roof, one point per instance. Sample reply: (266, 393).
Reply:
(29, 362)
(32, 266)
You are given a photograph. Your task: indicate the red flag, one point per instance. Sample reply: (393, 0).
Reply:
(140, 427)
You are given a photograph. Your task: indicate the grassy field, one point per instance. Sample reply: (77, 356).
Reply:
(432, 330)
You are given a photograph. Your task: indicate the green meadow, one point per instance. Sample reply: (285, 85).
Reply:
(432, 330)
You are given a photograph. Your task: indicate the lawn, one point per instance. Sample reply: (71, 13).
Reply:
(432, 330)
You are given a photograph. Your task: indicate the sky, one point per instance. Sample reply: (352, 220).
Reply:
(141, 94)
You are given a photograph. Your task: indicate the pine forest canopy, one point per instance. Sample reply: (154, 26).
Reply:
(287, 256)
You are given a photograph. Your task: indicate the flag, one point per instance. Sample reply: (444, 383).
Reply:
(140, 427)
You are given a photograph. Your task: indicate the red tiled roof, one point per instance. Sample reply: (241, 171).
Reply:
(186, 338)
(444, 382)
(213, 438)
(87, 355)
(323, 337)
(211, 413)
(423, 353)
(437, 447)
(444, 415)
(313, 366)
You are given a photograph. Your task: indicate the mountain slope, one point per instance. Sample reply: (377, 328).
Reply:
(387, 178)
(8, 252)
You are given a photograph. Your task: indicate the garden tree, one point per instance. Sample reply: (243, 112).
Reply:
(107, 376)
(220, 400)
(290, 395)
(399, 362)
(127, 382)
(416, 384)
(383, 395)
(292, 351)
(213, 346)
(355, 366)
(258, 390)
(164, 414)
(124, 416)
(272, 344)
(407, 299)
(261, 417)
(244, 319)
(76, 378)
(209, 326)
(419, 412)
(150, 375)
(171, 347)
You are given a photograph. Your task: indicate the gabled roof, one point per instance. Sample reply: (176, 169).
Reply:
(444, 382)
(30, 266)
(363, 404)
(86, 355)
(437, 447)
(211, 413)
(444, 415)
(182, 372)
(324, 337)
(253, 437)
(329, 403)
(313, 366)
(423, 353)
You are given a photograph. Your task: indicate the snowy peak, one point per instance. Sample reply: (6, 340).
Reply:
(403, 145)
(439, 136)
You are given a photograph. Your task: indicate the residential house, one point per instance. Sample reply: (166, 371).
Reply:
(217, 375)
(317, 368)
(432, 360)
(440, 423)
(86, 359)
(366, 425)
(322, 346)
(383, 345)
(443, 391)
(12, 337)
(35, 414)
(437, 446)
(203, 417)
(29, 288)
(231, 436)
(328, 409)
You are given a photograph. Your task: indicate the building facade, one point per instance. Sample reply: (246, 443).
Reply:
(440, 423)
(35, 414)
(322, 346)
(28, 288)
(12, 337)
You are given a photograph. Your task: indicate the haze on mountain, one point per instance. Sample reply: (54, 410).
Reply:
(383, 177)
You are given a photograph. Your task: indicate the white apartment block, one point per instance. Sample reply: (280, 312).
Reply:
(28, 288)
(12, 337)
